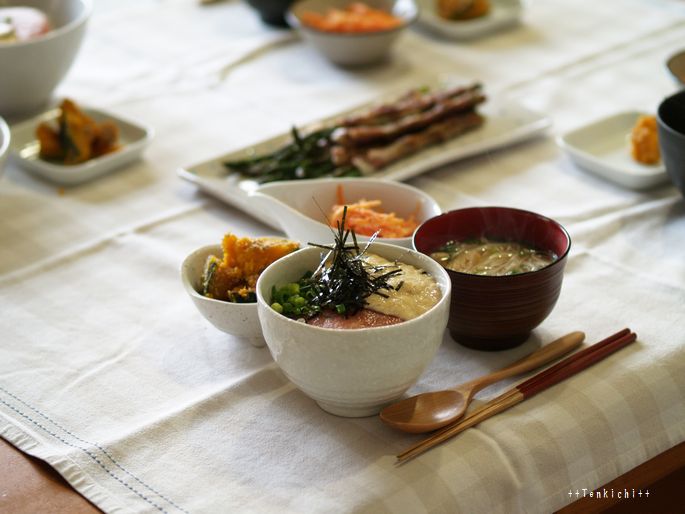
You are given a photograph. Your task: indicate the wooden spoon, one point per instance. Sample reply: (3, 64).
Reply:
(429, 411)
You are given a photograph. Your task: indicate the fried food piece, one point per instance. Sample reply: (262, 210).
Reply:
(644, 141)
(50, 145)
(78, 131)
(463, 9)
(106, 137)
(77, 138)
(234, 277)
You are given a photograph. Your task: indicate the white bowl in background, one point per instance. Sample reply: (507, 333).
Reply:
(31, 70)
(352, 49)
(352, 373)
(237, 319)
(301, 207)
(4, 144)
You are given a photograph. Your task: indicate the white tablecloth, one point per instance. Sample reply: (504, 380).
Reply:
(109, 374)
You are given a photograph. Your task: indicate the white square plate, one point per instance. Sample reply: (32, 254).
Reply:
(503, 14)
(603, 148)
(25, 149)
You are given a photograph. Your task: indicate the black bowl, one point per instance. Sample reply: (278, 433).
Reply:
(671, 124)
(272, 12)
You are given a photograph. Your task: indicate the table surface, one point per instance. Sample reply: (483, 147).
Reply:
(108, 373)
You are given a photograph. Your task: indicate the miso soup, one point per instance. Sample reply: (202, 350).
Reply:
(493, 258)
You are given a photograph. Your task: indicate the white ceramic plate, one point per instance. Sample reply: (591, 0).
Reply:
(503, 14)
(603, 148)
(24, 149)
(506, 123)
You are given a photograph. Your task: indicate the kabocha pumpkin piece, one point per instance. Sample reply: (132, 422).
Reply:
(234, 277)
(106, 137)
(77, 132)
(77, 137)
(50, 144)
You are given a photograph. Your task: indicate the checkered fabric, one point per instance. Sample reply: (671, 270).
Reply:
(108, 373)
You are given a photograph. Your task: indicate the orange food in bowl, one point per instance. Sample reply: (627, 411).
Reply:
(355, 18)
(366, 219)
(645, 141)
(76, 137)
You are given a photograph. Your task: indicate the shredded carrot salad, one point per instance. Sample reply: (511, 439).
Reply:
(356, 17)
(365, 218)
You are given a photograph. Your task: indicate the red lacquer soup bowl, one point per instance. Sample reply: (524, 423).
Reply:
(498, 312)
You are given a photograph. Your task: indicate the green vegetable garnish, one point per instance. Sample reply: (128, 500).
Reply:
(306, 157)
(341, 283)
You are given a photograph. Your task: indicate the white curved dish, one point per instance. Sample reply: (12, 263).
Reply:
(301, 207)
(25, 148)
(602, 148)
(503, 14)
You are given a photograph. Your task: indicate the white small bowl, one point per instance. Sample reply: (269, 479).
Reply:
(31, 70)
(301, 207)
(355, 49)
(237, 319)
(4, 144)
(352, 373)
(133, 139)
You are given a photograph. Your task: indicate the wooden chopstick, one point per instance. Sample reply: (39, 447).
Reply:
(541, 381)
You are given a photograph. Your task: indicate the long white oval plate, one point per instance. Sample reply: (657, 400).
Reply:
(506, 123)
(24, 149)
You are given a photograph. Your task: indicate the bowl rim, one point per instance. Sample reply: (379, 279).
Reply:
(295, 22)
(187, 283)
(516, 276)
(83, 16)
(5, 133)
(660, 120)
(669, 65)
(445, 296)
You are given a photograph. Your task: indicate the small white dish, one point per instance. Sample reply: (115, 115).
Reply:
(4, 144)
(603, 148)
(503, 14)
(237, 319)
(301, 207)
(25, 149)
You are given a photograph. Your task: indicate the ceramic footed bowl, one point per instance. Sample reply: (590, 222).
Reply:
(237, 319)
(357, 372)
(498, 312)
